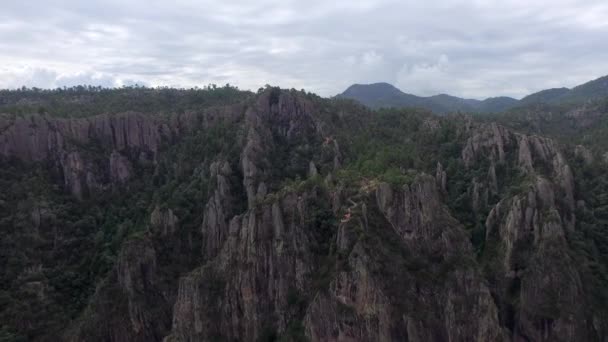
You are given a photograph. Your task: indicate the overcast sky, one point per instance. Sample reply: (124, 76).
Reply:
(465, 48)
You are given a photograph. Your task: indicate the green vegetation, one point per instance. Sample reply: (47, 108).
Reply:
(55, 251)
(84, 101)
(590, 240)
(67, 247)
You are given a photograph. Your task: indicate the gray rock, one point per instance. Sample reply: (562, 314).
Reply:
(120, 168)
(441, 177)
(163, 221)
(218, 209)
(312, 169)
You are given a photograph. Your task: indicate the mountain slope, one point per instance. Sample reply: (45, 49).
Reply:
(285, 216)
(589, 91)
(544, 96)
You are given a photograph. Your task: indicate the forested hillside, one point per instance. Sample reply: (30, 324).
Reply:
(215, 214)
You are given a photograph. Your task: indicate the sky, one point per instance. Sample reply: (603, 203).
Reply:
(473, 49)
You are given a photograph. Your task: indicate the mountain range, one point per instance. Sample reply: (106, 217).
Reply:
(378, 95)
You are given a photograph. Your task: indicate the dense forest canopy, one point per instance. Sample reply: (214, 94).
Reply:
(82, 101)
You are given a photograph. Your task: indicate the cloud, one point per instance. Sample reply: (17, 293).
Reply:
(466, 48)
(428, 78)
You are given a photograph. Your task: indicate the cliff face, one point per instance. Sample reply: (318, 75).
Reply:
(388, 286)
(269, 273)
(276, 122)
(135, 301)
(125, 139)
(266, 260)
(40, 138)
(261, 262)
(273, 237)
(532, 271)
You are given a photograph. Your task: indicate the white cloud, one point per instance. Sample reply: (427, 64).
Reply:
(508, 47)
(371, 59)
(427, 78)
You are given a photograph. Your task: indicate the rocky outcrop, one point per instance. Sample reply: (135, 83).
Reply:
(123, 139)
(218, 211)
(277, 120)
(366, 302)
(413, 210)
(479, 194)
(532, 236)
(534, 280)
(489, 141)
(40, 138)
(252, 287)
(533, 155)
(441, 177)
(32, 138)
(354, 308)
(532, 215)
(189, 121)
(137, 276)
(267, 269)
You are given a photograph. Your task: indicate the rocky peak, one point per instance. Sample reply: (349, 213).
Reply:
(489, 140)
(528, 228)
(289, 114)
(270, 247)
(278, 118)
(535, 156)
(527, 231)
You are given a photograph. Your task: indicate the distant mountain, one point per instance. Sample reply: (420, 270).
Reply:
(589, 91)
(497, 104)
(544, 96)
(379, 95)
